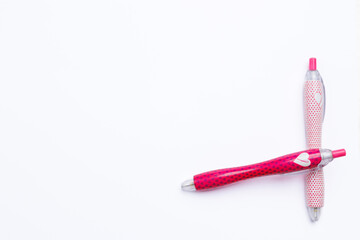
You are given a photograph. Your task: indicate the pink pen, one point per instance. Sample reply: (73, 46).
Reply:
(299, 161)
(314, 106)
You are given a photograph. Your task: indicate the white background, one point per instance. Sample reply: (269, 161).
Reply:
(107, 106)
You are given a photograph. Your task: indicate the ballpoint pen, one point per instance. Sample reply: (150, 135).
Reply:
(314, 109)
(299, 161)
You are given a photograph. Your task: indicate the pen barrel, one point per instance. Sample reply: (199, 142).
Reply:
(314, 108)
(289, 163)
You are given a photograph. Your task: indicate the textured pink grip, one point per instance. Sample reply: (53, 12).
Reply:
(314, 107)
(288, 163)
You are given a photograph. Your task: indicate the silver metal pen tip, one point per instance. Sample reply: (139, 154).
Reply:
(314, 213)
(188, 185)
